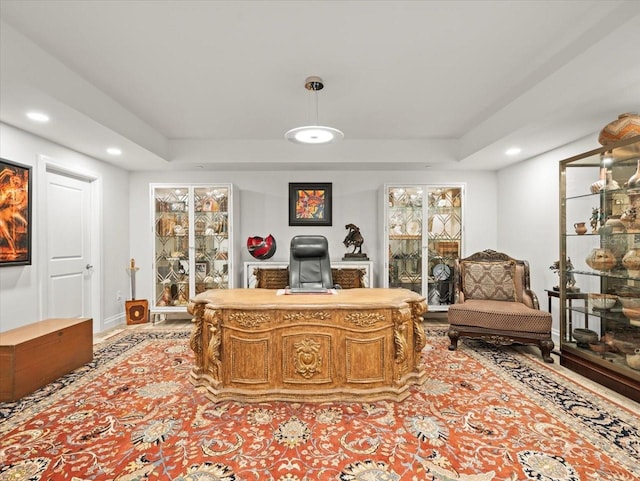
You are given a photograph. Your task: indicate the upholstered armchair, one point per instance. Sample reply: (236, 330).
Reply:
(493, 301)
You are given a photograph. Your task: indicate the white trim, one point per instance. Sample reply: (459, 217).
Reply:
(113, 321)
(46, 164)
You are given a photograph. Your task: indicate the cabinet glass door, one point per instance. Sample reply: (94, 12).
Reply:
(211, 235)
(444, 241)
(405, 237)
(171, 229)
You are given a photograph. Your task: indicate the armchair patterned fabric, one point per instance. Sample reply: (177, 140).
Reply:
(493, 301)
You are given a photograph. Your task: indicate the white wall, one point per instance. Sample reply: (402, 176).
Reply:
(126, 230)
(528, 216)
(356, 199)
(20, 285)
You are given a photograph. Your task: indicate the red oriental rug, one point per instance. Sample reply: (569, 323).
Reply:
(484, 414)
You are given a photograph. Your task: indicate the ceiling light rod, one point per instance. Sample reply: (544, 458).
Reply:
(313, 84)
(314, 134)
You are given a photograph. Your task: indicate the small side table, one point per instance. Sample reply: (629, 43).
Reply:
(571, 296)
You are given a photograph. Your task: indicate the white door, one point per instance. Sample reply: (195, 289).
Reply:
(68, 246)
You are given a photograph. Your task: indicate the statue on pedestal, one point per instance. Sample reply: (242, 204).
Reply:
(354, 238)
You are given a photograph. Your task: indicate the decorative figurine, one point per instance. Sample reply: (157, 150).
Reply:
(570, 277)
(354, 238)
(595, 219)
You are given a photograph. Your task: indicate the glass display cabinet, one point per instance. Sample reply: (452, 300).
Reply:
(423, 236)
(600, 259)
(193, 242)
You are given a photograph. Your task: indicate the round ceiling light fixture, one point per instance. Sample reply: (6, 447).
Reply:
(314, 134)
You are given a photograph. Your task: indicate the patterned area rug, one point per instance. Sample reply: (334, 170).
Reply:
(485, 413)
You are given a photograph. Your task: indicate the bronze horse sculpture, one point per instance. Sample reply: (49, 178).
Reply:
(354, 238)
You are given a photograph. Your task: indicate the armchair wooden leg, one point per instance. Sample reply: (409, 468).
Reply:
(546, 346)
(453, 336)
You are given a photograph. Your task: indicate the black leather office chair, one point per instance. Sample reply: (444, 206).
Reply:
(309, 265)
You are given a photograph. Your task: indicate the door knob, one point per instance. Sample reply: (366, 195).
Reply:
(89, 266)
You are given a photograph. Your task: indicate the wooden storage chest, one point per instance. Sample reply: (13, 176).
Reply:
(34, 355)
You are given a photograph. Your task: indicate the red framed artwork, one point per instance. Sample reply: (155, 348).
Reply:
(310, 204)
(15, 214)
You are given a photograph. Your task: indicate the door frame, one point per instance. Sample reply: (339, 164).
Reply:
(45, 165)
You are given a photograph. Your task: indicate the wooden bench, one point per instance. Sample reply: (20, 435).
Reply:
(34, 355)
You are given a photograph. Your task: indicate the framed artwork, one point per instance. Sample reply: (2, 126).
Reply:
(310, 204)
(15, 214)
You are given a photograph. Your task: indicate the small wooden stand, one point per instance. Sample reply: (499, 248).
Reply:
(137, 310)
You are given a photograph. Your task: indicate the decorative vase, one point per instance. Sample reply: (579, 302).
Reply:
(611, 184)
(626, 126)
(584, 336)
(617, 244)
(580, 228)
(599, 184)
(605, 181)
(634, 180)
(631, 260)
(629, 219)
(601, 259)
(633, 360)
(617, 226)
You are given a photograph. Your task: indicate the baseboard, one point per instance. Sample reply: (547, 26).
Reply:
(438, 317)
(113, 321)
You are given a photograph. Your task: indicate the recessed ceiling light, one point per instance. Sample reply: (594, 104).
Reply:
(38, 116)
(513, 151)
(114, 151)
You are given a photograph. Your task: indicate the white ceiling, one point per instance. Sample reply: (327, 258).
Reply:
(215, 84)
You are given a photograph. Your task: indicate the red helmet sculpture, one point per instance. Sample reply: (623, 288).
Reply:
(261, 248)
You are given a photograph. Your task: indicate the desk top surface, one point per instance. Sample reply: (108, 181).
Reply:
(273, 299)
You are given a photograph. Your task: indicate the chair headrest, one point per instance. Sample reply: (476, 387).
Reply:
(309, 246)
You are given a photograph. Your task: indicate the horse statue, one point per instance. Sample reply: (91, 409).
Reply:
(354, 238)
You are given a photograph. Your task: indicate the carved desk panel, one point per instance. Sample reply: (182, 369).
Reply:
(358, 344)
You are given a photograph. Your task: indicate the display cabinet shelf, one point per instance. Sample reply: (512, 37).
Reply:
(600, 189)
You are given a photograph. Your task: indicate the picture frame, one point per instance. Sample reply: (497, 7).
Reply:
(15, 211)
(177, 207)
(202, 269)
(310, 203)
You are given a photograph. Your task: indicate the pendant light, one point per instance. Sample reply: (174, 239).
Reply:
(314, 134)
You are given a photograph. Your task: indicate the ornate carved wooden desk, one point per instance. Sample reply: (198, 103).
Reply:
(357, 345)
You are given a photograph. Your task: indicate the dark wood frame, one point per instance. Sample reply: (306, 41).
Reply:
(21, 240)
(295, 189)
